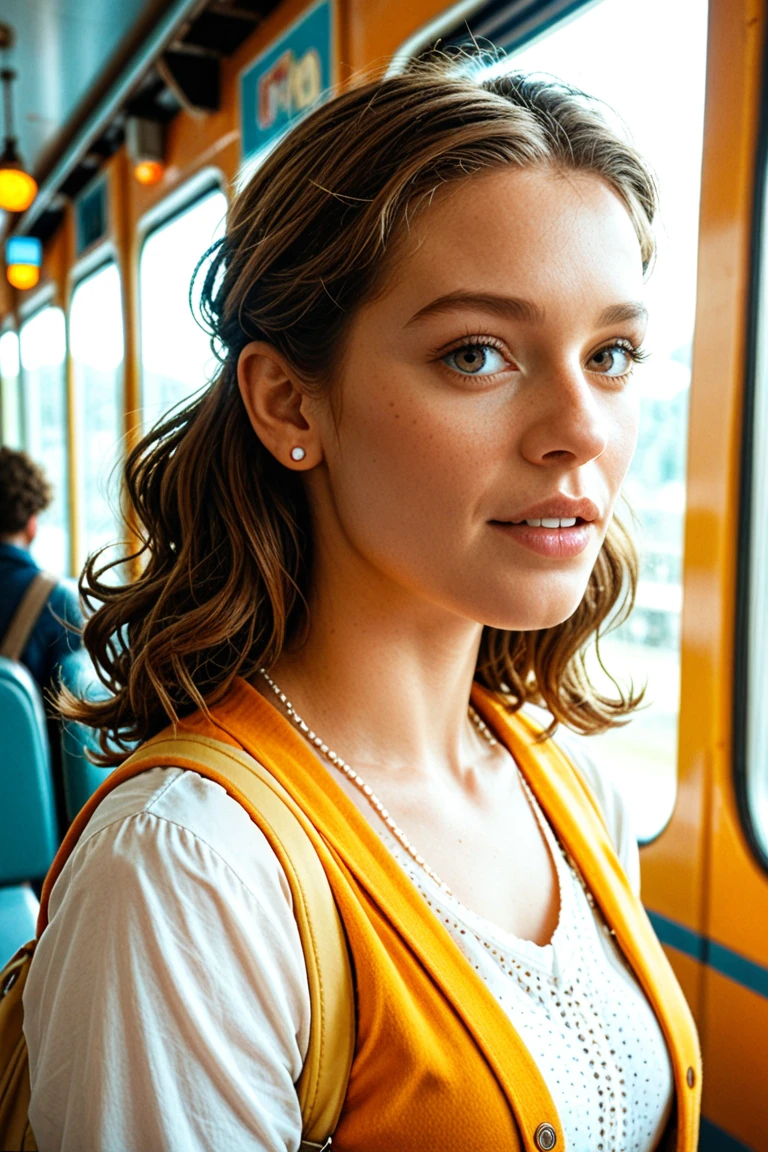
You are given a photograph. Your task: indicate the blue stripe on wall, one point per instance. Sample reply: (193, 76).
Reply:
(678, 936)
(714, 1139)
(724, 960)
(738, 968)
(730, 964)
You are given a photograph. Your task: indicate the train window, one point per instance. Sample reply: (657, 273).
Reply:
(43, 347)
(751, 714)
(586, 51)
(96, 348)
(10, 399)
(175, 352)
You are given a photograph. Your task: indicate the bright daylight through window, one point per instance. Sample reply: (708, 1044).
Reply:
(96, 347)
(43, 354)
(176, 356)
(10, 397)
(586, 52)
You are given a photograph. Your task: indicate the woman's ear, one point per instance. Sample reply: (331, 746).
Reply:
(276, 406)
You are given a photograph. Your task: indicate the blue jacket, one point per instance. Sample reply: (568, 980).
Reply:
(50, 641)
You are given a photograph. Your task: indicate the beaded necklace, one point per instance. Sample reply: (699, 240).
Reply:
(358, 781)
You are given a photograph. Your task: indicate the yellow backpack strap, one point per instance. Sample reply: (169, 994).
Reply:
(322, 1085)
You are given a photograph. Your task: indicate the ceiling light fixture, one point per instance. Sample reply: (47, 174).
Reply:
(23, 258)
(145, 144)
(17, 187)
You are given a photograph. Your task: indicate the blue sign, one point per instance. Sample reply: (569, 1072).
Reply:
(91, 216)
(24, 250)
(286, 79)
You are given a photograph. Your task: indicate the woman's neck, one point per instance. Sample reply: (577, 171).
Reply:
(384, 686)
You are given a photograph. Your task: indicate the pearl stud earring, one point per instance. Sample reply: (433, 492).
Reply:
(297, 453)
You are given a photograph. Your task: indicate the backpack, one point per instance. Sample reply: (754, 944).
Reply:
(26, 615)
(322, 1085)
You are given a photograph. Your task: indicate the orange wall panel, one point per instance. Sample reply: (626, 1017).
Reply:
(738, 885)
(378, 28)
(734, 1084)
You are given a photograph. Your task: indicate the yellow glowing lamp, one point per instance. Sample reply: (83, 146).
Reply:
(17, 188)
(23, 275)
(23, 258)
(149, 172)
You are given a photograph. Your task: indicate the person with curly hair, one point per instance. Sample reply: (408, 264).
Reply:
(24, 493)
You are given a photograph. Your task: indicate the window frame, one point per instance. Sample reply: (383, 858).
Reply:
(48, 297)
(91, 262)
(98, 257)
(43, 296)
(205, 182)
(526, 22)
(10, 327)
(179, 201)
(757, 306)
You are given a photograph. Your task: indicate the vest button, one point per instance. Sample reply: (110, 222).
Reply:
(545, 1137)
(690, 1077)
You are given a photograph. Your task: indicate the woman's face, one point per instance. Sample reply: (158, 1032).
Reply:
(490, 384)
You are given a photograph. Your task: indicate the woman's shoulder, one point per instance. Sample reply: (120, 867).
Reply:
(173, 919)
(188, 821)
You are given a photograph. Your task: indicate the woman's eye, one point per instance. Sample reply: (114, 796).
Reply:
(475, 360)
(615, 360)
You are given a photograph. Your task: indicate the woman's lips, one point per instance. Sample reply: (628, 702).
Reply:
(559, 543)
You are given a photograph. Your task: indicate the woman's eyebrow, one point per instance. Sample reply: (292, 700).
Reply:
(505, 306)
(620, 313)
(516, 308)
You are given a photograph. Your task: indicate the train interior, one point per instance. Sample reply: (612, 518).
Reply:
(139, 118)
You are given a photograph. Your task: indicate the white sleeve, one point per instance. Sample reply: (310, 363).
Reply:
(612, 804)
(167, 1006)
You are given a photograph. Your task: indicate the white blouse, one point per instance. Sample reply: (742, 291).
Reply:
(168, 1007)
(578, 1008)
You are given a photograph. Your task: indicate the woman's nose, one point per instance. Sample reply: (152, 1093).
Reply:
(568, 419)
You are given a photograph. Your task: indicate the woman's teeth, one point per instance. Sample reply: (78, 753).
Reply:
(552, 522)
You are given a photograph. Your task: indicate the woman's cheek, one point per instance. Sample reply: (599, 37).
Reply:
(623, 442)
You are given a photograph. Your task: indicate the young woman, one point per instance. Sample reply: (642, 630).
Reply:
(386, 527)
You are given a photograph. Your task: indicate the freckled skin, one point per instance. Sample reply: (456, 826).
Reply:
(414, 494)
(407, 568)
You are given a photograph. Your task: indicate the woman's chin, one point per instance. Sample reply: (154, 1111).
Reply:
(534, 617)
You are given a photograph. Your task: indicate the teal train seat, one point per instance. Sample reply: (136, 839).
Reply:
(81, 778)
(28, 832)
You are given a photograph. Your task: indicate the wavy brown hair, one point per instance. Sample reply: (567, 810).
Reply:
(225, 544)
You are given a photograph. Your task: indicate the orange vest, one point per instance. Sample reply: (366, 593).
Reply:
(438, 1066)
